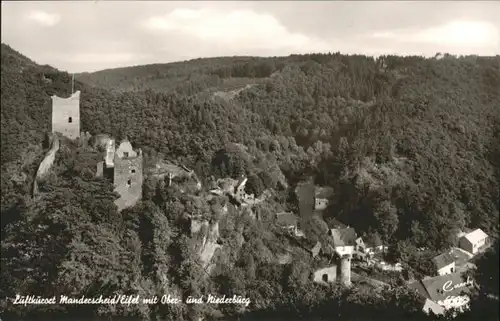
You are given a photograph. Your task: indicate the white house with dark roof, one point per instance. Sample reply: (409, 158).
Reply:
(445, 263)
(360, 245)
(371, 245)
(473, 241)
(444, 292)
(344, 240)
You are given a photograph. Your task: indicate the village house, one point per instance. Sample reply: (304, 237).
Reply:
(344, 240)
(360, 245)
(312, 247)
(287, 221)
(384, 266)
(473, 241)
(334, 223)
(235, 189)
(445, 263)
(444, 292)
(322, 197)
(374, 245)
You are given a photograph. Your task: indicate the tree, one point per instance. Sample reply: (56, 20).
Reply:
(231, 161)
(484, 302)
(254, 185)
(387, 219)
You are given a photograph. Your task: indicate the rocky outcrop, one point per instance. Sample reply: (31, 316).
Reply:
(197, 225)
(209, 245)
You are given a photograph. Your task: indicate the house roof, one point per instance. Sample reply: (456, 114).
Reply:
(344, 236)
(315, 250)
(241, 182)
(286, 219)
(435, 287)
(443, 260)
(333, 223)
(323, 192)
(475, 236)
(419, 288)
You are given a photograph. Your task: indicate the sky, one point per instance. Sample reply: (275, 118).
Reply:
(91, 35)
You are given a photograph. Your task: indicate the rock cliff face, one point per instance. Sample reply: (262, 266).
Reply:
(209, 245)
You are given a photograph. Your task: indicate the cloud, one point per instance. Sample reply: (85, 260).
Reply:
(237, 30)
(92, 35)
(44, 18)
(461, 33)
(95, 57)
(457, 33)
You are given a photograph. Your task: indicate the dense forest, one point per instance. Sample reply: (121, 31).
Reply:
(410, 145)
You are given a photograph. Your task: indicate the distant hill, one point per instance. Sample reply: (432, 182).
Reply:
(183, 77)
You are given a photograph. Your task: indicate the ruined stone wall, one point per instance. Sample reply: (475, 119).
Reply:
(128, 179)
(46, 163)
(326, 275)
(66, 115)
(125, 150)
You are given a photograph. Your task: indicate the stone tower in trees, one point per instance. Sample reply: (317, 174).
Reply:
(124, 166)
(127, 175)
(66, 115)
(345, 270)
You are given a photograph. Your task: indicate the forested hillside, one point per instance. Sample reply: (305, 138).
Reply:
(419, 137)
(410, 145)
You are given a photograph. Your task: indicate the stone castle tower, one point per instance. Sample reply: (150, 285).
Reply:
(345, 270)
(66, 115)
(124, 166)
(127, 176)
